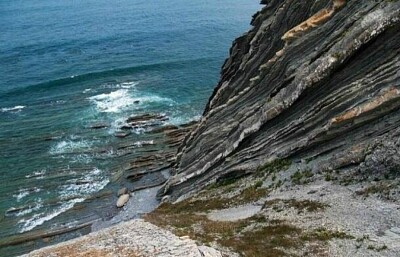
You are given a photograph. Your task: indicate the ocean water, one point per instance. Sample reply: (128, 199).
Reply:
(66, 65)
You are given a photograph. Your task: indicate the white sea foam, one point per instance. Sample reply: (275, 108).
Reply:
(24, 210)
(78, 191)
(82, 158)
(115, 101)
(37, 205)
(21, 195)
(128, 84)
(139, 131)
(17, 108)
(125, 85)
(70, 146)
(25, 192)
(141, 143)
(88, 184)
(40, 218)
(37, 174)
(123, 99)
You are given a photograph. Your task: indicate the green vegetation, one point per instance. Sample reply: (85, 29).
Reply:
(299, 205)
(251, 194)
(258, 184)
(383, 188)
(247, 195)
(266, 241)
(328, 177)
(222, 183)
(273, 167)
(378, 249)
(302, 177)
(255, 236)
(322, 234)
(361, 239)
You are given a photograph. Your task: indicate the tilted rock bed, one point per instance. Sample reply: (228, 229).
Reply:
(316, 82)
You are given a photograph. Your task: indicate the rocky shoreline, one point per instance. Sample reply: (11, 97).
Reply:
(297, 152)
(140, 179)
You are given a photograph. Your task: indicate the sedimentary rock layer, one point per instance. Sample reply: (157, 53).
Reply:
(316, 81)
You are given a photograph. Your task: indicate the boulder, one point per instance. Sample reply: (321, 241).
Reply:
(122, 191)
(98, 126)
(122, 200)
(122, 134)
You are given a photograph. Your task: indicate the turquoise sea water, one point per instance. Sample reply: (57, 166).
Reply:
(66, 65)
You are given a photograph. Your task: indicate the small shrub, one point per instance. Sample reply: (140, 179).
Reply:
(301, 177)
(273, 167)
(328, 177)
(322, 234)
(258, 184)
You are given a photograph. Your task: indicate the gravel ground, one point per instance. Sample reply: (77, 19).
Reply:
(234, 214)
(374, 223)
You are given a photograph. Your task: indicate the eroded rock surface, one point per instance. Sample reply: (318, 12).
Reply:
(134, 238)
(316, 82)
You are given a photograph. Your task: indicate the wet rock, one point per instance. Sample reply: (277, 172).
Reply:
(164, 129)
(122, 134)
(146, 117)
(14, 210)
(122, 200)
(126, 127)
(31, 236)
(49, 138)
(146, 121)
(122, 191)
(98, 126)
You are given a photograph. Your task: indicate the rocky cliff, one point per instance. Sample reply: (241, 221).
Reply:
(316, 82)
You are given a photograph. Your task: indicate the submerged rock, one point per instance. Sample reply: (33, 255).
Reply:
(98, 126)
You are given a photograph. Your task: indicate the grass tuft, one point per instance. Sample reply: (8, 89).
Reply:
(301, 177)
(299, 205)
(273, 167)
(322, 234)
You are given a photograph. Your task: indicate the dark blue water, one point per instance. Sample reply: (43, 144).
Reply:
(66, 65)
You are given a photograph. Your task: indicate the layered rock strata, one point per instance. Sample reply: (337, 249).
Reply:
(316, 82)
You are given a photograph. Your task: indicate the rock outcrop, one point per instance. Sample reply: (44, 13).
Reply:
(316, 82)
(133, 238)
(122, 200)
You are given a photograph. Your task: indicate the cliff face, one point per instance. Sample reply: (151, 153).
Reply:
(314, 81)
